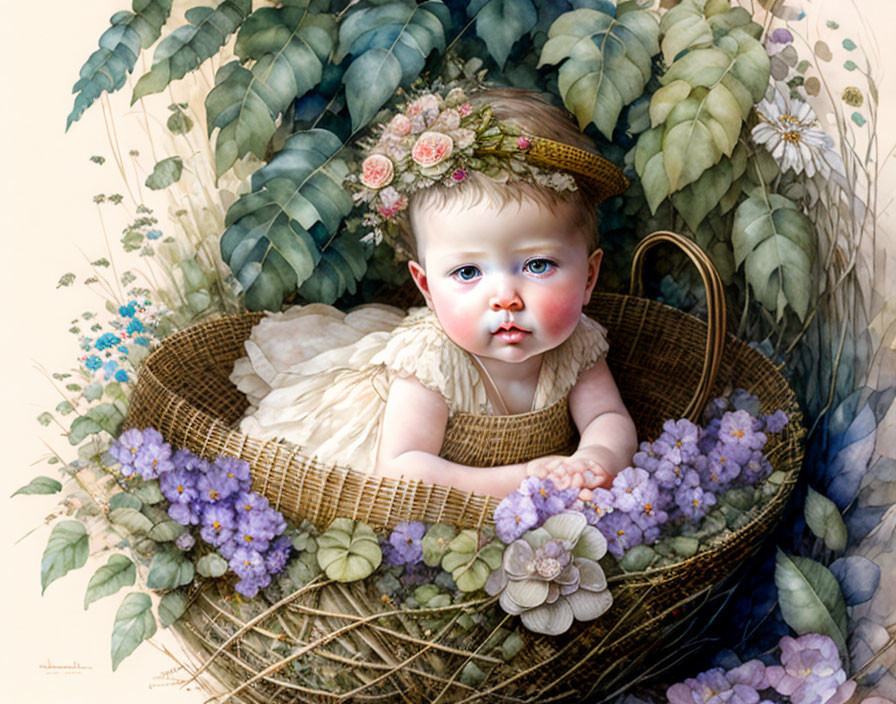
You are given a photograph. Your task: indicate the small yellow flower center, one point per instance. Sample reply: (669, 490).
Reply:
(216, 525)
(738, 433)
(180, 488)
(213, 495)
(678, 444)
(792, 137)
(247, 538)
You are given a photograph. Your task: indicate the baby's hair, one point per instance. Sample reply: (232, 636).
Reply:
(534, 115)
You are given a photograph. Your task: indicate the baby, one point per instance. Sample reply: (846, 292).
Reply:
(505, 254)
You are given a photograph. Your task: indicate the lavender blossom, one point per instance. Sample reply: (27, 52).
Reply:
(647, 457)
(775, 422)
(548, 501)
(600, 504)
(678, 442)
(738, 430)
(514, 516)
(126, 448)
(277, 555)
(712, 687)
(631, 488)
(694, 502)
(621, 532)
(405, 542)
(153, 459)
(185, 541)
(218, 524)
(179, 486)
(811, 671)
(187, 514)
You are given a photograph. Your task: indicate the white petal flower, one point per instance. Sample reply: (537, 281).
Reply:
(789, 131)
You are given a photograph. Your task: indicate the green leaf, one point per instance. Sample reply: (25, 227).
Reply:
(179, 123)
(810, 599)
(149, 492)
(39, 485)
(171, 607)
(607, 61)
(118, 572)
(188, 46)
(774, 241)
(166, 531)
(289, 46)
(649, 165)
(131, 519)
(93, 391)
(107, 416)
(134, 623)
(107, 68)
(45, 419)
(164, 173)
(269, 243)
(82, 426)
(124, 500)
(389, 45)
(169, 570)
(67, 549)
(501, 23)
(684, 27)
(696, 200)
(211, 565)
(824, 520)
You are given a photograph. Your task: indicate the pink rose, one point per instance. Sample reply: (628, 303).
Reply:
(399, 125)
(391, 202)
(377, 171)
(432, 148)
(523, 143)
(465, 109)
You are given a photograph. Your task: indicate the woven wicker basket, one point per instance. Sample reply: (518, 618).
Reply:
(659, 357)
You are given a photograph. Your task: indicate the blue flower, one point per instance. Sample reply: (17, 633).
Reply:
(135, 326)
(153, 234)
(123, 349)
(106, 340)
(122, 376)
(142, 341)
(128, 310)
(93, 363)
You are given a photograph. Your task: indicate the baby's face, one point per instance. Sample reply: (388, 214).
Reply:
(505, 284)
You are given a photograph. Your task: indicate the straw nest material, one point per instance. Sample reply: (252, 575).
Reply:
(331, 642)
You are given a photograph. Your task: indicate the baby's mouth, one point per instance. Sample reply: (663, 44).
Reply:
(510, 332)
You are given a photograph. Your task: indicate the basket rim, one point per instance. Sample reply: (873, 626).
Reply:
(236, 439)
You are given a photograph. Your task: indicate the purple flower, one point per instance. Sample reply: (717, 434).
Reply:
(756, 468)
(710, 436)
(714, 409)
(678, 442)
(711, 687)
(621, 532)
(249, 566)
(811, 671)
(694, 502)
(126, 448)
(185, 541)
(216, 487)
(646, 457)
(187, 514)
(725, 464)
(218, 524)
(548, 501)
(669, 476)
(179, 486)
(278, 555)
(247, 501)
(153, 459)
(632, 488)
(781, 35)
(775, 422)
(600, 505)
(184, 459)
(405, 541)
(258, 527)
(737, 429)
(514, 516)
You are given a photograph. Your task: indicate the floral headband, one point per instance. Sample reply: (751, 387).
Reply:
(438, 139)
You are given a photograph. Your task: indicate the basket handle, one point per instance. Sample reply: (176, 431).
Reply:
(715, 308)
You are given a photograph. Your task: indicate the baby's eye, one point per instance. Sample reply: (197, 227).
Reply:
(466, 273)
(539, 266)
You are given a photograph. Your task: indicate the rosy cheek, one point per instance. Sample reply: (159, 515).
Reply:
(559, 310)
(459, 323)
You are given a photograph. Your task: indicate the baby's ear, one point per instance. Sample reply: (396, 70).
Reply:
(593, 270)
(419, 276)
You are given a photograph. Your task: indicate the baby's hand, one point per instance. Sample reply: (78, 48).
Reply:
(565, 472)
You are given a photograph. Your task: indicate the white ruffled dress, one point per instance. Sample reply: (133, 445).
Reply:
(319, 378)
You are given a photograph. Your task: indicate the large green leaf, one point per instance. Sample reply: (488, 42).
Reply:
(188, 46)
(288, 47)
(606, 61)
(67, 549)
(389, 45)
(164, 173)
(118, 572)
(696, 200)
(107, 68)
(501, 23)
(169, 569)
(810, 599)
(171, 607)
(774, 241)
(285, 234)
(134, 623)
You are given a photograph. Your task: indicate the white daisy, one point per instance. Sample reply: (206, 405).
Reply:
(788, 128)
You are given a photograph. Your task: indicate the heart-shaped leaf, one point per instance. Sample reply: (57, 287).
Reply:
(501, 23)
(169, 569)
(134, 623)
(171, 607)
(39, 485)
(118, 572)
(824, 520)
(66, 550)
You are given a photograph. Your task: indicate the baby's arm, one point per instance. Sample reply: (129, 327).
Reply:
(411, 437)
(608, 436)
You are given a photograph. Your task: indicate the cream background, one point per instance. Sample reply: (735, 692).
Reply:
(47, 219)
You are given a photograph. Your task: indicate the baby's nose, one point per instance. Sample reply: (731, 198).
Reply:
(505, 297)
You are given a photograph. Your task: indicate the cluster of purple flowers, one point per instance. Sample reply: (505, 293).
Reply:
(529, 506)
(811, 672)
(680, 475)
(215, 499)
